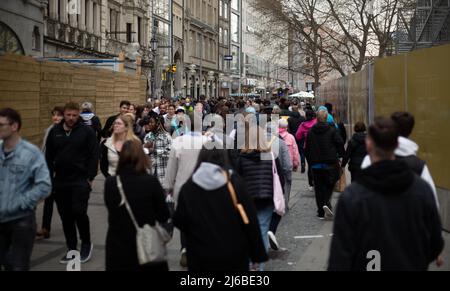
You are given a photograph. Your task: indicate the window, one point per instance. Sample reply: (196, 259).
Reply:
(225, 36)
(94, 17)
(221, 8)
(221, 35)
(199, 46)
(193, 42)
(234, 27)
(129, 26)
(112, 23)
(235, 4)
(225, 10)
(139, 30)
(9, 42)
(36, 39)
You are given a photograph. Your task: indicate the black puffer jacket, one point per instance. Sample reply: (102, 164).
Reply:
(324, 144)
(355, 153)
(389, 210)
(258, 177)
(294, 122)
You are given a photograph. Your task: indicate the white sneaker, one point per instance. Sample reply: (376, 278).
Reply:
(273, 241)
(310, 188)
(329, 215)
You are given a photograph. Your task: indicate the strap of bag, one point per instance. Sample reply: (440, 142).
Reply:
(236, 204)
(274, 164)
(125, 201)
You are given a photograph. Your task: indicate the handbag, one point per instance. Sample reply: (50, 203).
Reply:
(278, 195)
(341, 184)
(150, 240)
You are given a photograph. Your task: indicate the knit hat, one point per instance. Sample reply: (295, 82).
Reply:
(283, 123)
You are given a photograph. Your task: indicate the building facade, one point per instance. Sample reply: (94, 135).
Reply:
(224, 87)
(22, 27)
(201, 35)
(265, 70)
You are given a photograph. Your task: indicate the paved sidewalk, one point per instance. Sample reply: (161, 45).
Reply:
(304, 239)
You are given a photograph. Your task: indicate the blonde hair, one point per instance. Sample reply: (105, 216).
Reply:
(128, 120)
(260, 145)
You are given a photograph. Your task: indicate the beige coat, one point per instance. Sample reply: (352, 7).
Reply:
(183, 159)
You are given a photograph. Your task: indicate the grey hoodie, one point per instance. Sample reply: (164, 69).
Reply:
(209, 177)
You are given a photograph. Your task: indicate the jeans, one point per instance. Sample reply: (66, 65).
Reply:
(16, 243)
(72, 203)
(264, 219)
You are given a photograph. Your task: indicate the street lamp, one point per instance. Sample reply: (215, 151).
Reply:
(211, 79)
(154, 46)
(192, 71)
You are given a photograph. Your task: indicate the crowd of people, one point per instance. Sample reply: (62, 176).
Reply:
(160, 153)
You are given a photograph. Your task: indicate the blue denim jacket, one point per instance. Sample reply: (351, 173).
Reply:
(24, 181)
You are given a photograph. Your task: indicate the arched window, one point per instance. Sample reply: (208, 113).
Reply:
(36, 39)
(9, 42)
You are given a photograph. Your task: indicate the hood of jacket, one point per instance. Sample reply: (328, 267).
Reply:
(86, 116)
(359, 137)
(309, 124)
(406, 147)
(209, 177)
(387, 177)
(321, 128)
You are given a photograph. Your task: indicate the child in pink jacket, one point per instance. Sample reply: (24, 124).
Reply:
(289, 139)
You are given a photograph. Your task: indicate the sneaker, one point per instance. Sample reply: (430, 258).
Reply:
(273, 241)
(303, 169)
(320, 217)
(86, 252)
(329, 215)
(66, 258)
(310, 188)
(183, 259)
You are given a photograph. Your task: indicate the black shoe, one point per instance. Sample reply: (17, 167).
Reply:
(273, 241)
(86, 252)
(303, 169)
(66, 258)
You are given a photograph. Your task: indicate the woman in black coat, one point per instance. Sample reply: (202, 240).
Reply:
(216, 237)
(356, 151)
(147, 201)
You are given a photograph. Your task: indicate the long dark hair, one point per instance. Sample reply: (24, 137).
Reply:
(133, 156)
(214, 156)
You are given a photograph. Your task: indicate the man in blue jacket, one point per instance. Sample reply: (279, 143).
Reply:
(24, 182)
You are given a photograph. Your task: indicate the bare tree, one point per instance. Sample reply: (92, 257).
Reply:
(343, 34)
(281, 24)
